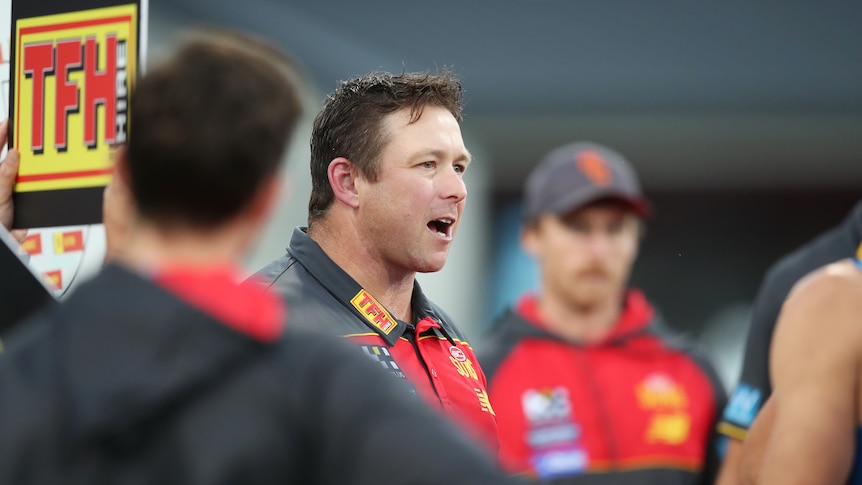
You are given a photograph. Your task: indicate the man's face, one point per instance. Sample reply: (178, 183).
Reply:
(409, 216)
(585, 256)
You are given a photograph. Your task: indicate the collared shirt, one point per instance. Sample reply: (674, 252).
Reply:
(430, 354)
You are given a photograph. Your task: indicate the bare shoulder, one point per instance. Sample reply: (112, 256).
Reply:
(837, 281)
(832, 293)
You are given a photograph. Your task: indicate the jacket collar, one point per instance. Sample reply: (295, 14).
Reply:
(636, 317)
(350, 294)
(853, 223)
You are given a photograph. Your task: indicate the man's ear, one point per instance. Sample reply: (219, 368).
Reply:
(121, 165)
(342, 178)
(529, 242)
(266, 198)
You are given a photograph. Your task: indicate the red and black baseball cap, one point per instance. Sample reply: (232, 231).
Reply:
(577, 174)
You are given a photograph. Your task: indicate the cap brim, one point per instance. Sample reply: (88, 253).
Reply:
(579, 199)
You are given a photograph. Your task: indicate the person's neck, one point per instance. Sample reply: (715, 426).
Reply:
(580, 323)
(154, 248)
(392, 287)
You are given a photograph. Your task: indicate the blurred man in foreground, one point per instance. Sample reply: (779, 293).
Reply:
(754, 386)
(809, 430)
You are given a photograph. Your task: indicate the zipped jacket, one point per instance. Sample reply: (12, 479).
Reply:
(638, 407)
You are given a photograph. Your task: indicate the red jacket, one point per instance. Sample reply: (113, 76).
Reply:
(640, 405)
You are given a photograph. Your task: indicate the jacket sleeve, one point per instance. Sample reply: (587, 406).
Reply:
(753, 386)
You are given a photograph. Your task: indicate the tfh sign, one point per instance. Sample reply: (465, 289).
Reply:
(73, 74)
(104, 87)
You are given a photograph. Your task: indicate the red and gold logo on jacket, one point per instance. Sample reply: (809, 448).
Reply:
(670, 422)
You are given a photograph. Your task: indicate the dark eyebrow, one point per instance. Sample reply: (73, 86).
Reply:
(439, 154)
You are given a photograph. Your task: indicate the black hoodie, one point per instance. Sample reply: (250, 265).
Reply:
(125, 383)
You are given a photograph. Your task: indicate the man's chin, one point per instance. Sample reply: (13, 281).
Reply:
(592, 295)
(430, 263)
(429, 268)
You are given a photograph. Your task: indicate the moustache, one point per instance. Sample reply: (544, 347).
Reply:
(595, 270)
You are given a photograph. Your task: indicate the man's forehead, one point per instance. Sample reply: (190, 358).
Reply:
(400, 120)
(611, 207)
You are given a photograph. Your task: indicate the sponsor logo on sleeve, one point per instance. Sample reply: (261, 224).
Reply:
(743, 406)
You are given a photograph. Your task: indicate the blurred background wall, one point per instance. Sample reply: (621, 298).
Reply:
(744, 120)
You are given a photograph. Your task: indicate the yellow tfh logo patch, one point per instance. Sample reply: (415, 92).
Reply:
(373, 311)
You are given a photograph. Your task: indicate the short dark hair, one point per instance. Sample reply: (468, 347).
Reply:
(208, 126)
(350, 123)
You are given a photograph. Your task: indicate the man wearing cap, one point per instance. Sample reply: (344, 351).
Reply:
(587, 384)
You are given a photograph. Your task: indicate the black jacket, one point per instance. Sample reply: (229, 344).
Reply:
(123, 383)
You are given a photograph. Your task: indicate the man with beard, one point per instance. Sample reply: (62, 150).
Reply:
(587, 384)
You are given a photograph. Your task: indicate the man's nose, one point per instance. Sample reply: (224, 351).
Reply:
(453, 186)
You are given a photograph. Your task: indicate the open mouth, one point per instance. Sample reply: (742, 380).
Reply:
(443, 226)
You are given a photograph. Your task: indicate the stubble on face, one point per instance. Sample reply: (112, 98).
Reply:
(405, 214)
(587, 256)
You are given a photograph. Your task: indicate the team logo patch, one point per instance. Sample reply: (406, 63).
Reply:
(457, 354)
(591, 163)
(672, 428)
(743, 405)
(670, 422)
(659, 391)
(373, 312)
(462, 364)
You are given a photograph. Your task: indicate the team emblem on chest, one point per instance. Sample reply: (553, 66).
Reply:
(667, 402)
